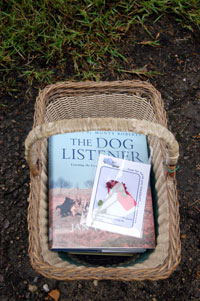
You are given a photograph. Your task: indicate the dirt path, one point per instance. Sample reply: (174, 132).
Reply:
(176, 59)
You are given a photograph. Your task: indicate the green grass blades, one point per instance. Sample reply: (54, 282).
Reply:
(48, 32)
(41, 75)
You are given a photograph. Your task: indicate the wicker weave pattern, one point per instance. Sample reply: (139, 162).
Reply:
(120, 106)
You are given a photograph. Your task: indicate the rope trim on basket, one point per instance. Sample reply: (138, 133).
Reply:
(110, 124)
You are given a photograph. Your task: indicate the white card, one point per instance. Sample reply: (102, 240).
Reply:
(118, 196)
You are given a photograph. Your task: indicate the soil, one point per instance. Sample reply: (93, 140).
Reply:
(176, 60)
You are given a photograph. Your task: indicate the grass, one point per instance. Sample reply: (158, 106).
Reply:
(46, 33)
(140, 72)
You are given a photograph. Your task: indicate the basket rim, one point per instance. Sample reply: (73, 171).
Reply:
(90, 88)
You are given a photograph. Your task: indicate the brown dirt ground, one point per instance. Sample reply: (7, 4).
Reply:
(177, 61)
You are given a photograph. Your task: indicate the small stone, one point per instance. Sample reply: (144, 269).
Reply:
(79, 285)
(95, 282)
(27, 295)
(32, 288)
(6, 224)
(1, 278)
(46, 288)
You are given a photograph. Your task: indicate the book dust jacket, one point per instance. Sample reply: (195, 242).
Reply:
(73, 159)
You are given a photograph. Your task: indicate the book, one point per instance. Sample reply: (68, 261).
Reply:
(72, 166)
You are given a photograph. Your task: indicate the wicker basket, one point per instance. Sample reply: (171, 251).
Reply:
(122, 106)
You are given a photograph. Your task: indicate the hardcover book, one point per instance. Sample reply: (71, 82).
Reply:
(73, 161)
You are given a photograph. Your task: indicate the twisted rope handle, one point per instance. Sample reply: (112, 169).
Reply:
(100, 124)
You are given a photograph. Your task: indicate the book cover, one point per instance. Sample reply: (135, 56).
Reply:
(73, 160)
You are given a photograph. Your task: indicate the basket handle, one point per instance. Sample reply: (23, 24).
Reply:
(102, 124)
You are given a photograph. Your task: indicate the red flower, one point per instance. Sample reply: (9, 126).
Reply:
(112, 183)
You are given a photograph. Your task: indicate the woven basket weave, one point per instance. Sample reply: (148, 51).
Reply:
(117, 106)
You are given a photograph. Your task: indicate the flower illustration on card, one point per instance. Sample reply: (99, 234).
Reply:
(123, 196)
(117, 192)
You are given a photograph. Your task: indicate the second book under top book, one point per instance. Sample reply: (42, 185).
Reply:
(73, 160)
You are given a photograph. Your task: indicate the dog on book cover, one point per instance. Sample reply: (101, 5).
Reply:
(70, 207)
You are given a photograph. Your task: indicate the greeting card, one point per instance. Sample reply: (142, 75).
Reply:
(118, 196)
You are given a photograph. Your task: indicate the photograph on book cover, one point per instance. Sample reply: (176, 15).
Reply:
(118, 196)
